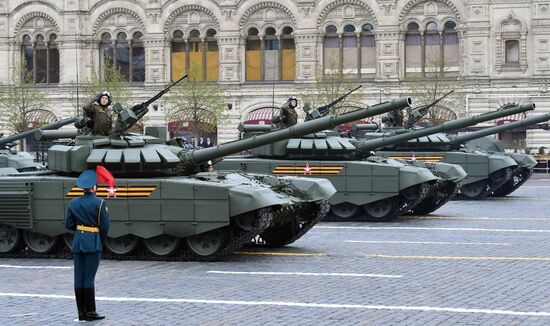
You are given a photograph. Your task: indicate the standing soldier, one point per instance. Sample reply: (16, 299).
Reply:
(97, 115)
(89, 217)
(288, 115)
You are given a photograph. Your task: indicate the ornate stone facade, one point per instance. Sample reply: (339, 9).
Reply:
(504, 45)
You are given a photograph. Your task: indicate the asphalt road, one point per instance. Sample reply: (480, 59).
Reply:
(471, 263)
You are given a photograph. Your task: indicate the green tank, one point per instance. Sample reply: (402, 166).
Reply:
(486, 172)
(373, 188)
(16, 162)
(478, 142)
(163, 206)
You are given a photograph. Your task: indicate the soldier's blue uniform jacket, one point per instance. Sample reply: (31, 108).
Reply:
(85, 210)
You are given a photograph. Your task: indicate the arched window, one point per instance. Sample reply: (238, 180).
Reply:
(179, 56)
(196, 50)
(271, 55)
(450, 49)
(126, 56)
(212, 56)
(288, 55)
(138, 58)
(331, 50)
(368, 51)
(253, 55)
(350, 54)
(432, 49)
(41, 60)
(413, 50)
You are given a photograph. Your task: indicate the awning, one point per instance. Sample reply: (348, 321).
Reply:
(511, 118)
(260, 116)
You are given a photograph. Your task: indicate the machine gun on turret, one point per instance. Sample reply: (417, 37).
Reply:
(417, 113)
(128, 117)
(325, 109)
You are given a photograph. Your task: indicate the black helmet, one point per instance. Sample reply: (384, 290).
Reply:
(293, 98)
(104, 93)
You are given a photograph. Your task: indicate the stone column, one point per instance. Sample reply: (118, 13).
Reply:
(231, 47)
(388, 44)
(307, 58)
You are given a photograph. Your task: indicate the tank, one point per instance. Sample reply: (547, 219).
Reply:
(12, 161)
(486, 172)
(163, 206)
(373, 189)
(478, 142)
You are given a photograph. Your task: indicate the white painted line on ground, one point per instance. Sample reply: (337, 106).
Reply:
(294, 304)
(535, 187)
(306, 274)
(425, 228)
(35, 267)
(433, 242)
(25, 315)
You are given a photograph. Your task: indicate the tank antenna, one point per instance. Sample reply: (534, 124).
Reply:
(77, 78)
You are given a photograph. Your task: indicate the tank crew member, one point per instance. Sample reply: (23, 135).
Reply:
(288, 115)
(88, 217)
(97, 115)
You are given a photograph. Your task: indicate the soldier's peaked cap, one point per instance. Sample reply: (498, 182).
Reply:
(87, 179)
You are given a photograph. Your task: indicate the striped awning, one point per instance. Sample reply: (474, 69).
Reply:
(511, 118)
(260, 116)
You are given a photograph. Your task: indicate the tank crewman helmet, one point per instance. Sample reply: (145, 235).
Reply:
(101, 94)
(293, 98)
(87, 179)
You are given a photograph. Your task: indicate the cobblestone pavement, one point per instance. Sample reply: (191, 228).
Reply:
(471, 263)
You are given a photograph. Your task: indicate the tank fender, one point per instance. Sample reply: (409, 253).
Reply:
(411, 176)
(246, 198)
(524, 160)
(499, 162)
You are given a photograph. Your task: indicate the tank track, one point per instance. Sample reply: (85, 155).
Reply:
(238, 238)
(436, 199)
(306, 217)
(409, 204)
(495, 181)
(518, 178)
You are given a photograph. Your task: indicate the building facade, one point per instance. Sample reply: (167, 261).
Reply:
(262, 52)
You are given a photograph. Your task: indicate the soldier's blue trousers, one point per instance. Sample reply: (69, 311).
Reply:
(85, 268)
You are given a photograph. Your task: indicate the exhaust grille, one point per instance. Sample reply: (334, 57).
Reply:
(15, 204)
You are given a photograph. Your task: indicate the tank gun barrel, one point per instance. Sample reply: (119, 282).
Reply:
(24, 134)
(493, 130)
(203, 155)
(391, 139)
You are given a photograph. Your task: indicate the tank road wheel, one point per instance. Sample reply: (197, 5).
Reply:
(39, 243)
(474, 190)
(68, 240)
(162, 245)
(10, 239)
(208, 243)
(280, 234)
(123, 245)
(344, 211)
(381, 210)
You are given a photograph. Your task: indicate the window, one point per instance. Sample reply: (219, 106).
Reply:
(126, 56)
(272, 57)
(179, 56)
(413, 50)
(331, 53)
(253, 55)
(368, 51)
(41, 60)
(350, 54)
(212, 56)
(197, 56)
(431, 51)
(511, 53)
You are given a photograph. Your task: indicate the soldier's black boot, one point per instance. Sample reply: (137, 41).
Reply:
(80, 304)
(91, 314)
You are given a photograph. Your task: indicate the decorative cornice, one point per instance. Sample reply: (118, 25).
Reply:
(328, 8)
(31, 15)
(113, 11)
(170, 20)
(413, 3)
(267, 4)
